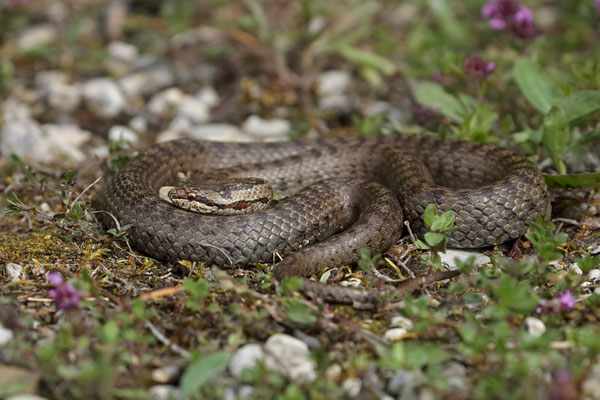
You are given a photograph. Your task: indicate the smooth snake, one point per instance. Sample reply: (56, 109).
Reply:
(345, 193)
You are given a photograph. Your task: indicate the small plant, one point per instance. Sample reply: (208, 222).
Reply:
(435, 240)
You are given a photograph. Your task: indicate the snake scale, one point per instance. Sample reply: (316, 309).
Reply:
(341, 194)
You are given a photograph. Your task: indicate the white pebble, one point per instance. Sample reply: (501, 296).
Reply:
(535, 326)
(5, 335)
(333, 82)
(290, 357)
(64, 141)
(147, 82)
(594, 274)
(63, 97)
(103, 97)
(401, 322)
(451, 255)
(164, 392)
(245, 357)
(218, 132)
(163, 103)
(262, 128)
(395, 334)
(208, 96)
(36, 36)
(23, 137)
(120, 132)
(122, 51)
(13, 271)
(193, 109)
(352, 386)
(139, 124)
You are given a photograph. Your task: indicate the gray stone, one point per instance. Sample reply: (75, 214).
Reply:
(36, 36)
(262, 128)
(164, 392)
(218, 132)
(290, 357)
(146, 82)
(193, 109)
(334, 82)
(208, 96)
(13, 271)
(164, 103)
(6, 335)
(245, 357)
(120, 132)
(103, 97)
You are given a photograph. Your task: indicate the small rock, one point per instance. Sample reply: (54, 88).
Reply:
(395, 334)
(147, 82)
(13, 271)
(120, 132)
(25, 396)
(122, 51)
(535, 326)
(64, 142)
(22, 137)
(594, 275)
(218, 132)
(193, 109)
(591, 385)
(456, 374)
(208, 96)
(352, 386)
(121, 57)
(139, 124)
(103, 97)
(334, 82)
(164, 103)
(180, 124)
(164, 392)
(64, 98)
(166, 374)
(404, 382)
(37, 36)
(335, 102)
(401, 322)
(290, 357)
(245, 357)
(168, 134)
(451, 254)
(6, 335)
(333, 372)
(262, 128)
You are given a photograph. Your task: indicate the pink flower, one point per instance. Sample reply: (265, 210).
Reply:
(64, 294)
(597, 2)
(502, 14)
(566, 300)
(477, 69)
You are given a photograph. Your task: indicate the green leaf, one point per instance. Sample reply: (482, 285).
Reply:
(452, 27)
(364, 58)
(297, 311)
(432, 95)
(556, 136)
(581, 104)
(534, 84)
(573, 181)
(430, 214)
(433, 238)
(199, 372)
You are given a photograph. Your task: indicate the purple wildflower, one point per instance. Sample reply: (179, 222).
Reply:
(566, 300)
(503, 14)
(64, 294)
(477, 69)
(597, 3)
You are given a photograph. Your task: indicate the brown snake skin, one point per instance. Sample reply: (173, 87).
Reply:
(350, 193)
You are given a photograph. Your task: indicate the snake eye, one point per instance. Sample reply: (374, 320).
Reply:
(191, 196)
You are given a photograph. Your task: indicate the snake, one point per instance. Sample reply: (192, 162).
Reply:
(337, 195)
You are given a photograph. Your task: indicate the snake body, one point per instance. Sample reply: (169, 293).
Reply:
(343, 194)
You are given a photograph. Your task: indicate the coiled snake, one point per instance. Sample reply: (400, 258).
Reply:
(345, 193)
